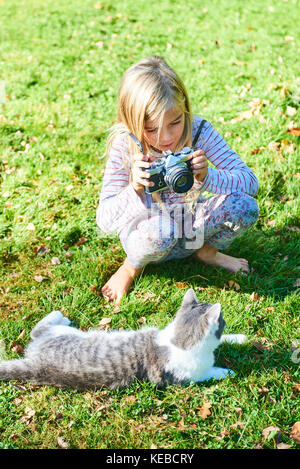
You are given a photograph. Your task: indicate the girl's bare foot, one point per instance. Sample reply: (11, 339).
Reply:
(212, 256)
(120, 282)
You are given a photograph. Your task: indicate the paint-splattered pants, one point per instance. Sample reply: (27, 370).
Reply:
(216, 221)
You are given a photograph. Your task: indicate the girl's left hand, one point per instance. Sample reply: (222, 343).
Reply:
(199, 165)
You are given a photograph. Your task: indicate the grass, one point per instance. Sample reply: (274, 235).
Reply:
(60, 67)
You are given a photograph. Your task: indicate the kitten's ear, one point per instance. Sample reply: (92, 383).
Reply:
(214, 313)
(189, 298)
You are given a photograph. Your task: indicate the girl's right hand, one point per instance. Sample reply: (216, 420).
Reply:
(140, 178)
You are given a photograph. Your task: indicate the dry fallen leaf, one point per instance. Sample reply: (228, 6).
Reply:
(283, 446)
(256, 106)
(272, 432)
(262, 345)
(295, 433)
(222, 434)
(238, 424)
(257, 150)
(81, 241)
(55, 261)
(104, 323)
(263, 390)
(61, 443)
(294, 131)
(181, 285)
(38, 278)
(291, 111)
(204, 411)
(41, 250)
(254, 296)
(234, 285)
(296, 387)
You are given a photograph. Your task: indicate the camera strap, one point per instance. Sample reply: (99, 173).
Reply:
(138, 143)
(195, 139)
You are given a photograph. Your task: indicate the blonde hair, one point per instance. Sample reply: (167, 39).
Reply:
(148, 89)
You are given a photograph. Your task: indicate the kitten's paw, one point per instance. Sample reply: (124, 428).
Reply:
(65, 321)
(234, 338)
(240, 338)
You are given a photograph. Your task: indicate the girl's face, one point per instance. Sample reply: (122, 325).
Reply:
(171, 130)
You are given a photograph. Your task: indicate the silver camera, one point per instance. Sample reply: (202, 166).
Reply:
(172, 171)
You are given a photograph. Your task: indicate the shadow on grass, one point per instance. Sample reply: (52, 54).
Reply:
(246, 359)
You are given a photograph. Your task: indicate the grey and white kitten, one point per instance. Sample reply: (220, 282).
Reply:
(183, 352)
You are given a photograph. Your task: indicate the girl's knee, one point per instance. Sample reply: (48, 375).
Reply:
(242, 206)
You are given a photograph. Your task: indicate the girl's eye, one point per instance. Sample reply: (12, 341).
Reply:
(175, 123)
(151, 130)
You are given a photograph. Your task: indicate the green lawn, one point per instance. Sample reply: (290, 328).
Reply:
(60, 67)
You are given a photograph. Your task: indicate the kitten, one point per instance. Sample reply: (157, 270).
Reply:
(183, 352)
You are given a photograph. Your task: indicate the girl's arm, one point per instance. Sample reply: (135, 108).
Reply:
(119, 203)
(232, 174)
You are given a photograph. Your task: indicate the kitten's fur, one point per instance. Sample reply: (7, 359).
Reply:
(183, 352)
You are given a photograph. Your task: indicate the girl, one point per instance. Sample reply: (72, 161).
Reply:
(153, 107)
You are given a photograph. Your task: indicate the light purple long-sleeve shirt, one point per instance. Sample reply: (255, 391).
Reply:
(119, 204)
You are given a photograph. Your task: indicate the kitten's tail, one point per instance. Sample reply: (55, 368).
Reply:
(16, 369)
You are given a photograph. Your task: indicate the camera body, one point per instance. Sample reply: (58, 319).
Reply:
(172, 171)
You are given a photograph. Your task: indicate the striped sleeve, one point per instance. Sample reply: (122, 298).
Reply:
(231, 173)
(119, 204)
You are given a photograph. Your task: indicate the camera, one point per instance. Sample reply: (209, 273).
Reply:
(172, 171)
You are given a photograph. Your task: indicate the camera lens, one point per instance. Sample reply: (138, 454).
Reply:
(179, 180)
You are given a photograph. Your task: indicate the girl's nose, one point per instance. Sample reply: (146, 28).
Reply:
(165, 136)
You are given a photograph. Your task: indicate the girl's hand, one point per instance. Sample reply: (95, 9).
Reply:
(199, 165)
(139, 176)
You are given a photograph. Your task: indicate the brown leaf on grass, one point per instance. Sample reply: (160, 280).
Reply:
(262, 345)
(276, 433)
(269, 308)
(283, 446)
(296, 387)
(256, 106)
(61, 443)
(294, 131)
(291, 111)
(234, 285)
(222, 434)
(55, 261)
(104, 323)
(181, 285)
(238, 424)
(81, 241)
(257, 150)
(18, 400)
(29, 413)
(38, 278)
(263, 391)
(41, 250)
(204, 411)
(274, 146)
(295, 433)
(254, 296)
(17, 348)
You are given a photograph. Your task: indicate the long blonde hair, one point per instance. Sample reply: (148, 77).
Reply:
(148, 89)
